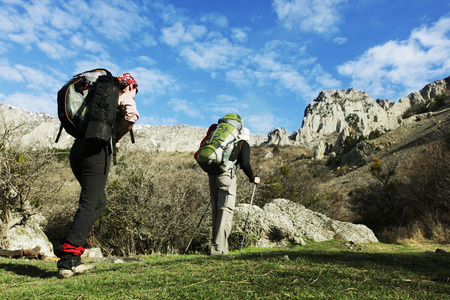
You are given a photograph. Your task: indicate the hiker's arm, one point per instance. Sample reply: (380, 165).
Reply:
(128, 115)
(123, 127)
(244, 161)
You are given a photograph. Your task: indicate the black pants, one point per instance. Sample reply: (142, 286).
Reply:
(90, 162)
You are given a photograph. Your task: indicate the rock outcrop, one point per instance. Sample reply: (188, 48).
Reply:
(332, 112)
(335, 114)
(278, 136)
(283, 221)
(28, 234)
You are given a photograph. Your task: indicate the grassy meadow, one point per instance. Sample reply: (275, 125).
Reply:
(326, 270)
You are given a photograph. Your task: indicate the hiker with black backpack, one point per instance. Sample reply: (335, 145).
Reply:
(90, 159)
(227, 136)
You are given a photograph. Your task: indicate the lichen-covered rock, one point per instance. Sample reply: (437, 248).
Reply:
(28, 235)
(283, 220)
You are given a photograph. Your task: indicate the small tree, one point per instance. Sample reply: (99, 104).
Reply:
(26, 180)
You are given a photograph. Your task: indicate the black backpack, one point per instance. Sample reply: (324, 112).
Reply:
(87, 105)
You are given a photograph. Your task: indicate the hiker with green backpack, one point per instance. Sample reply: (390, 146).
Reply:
(105, 111)
(224, 147)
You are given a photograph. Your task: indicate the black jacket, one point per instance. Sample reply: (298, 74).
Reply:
(241, 154)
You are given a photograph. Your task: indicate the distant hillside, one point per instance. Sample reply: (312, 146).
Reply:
(331, 117)
(40, 130)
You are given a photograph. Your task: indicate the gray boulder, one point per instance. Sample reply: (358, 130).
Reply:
(28, 235)
(283, 221)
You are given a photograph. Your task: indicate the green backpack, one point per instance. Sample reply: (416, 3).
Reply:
(213, 155)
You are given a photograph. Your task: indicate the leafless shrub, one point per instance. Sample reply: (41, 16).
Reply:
(27, 181)
(154, 201)
(287, 176)
(419, 205)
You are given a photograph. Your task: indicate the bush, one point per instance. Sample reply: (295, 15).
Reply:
(375, 134)
(27, 183)
(295, 182)
(422, 201)
(152, 207)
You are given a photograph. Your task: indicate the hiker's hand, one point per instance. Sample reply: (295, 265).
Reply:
(257, 180)
(117, 144)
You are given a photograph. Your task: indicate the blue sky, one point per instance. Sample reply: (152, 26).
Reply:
(196, 60)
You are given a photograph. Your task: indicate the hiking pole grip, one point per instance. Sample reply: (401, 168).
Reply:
(246, 221)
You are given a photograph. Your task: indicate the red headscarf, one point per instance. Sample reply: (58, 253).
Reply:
(127, 79)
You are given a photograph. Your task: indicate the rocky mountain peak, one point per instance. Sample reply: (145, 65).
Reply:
(335, 114)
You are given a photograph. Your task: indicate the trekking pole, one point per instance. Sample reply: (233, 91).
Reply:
(246, 221)
(198, 225)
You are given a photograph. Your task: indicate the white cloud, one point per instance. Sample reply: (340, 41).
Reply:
(224, 104)
(153, 82)
(288, 68)
(43, 102)
(240, 77)
(25, 39)
(54, 50)
(224, 109)
(185, 107)
(340, 40)
(74, 27)
(80, 42)
(216, 19)
(226, 98)
(213, 55)
(67, 20)
(239, 35)
(7, 23)
(9, 73)
(117, 22)
(399, 67)
(30, 78)
(318, 16)
(178, 34)
(37, 80)
(147, 60)
(260, 123)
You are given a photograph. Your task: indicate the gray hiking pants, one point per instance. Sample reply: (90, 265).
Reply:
(223, 198)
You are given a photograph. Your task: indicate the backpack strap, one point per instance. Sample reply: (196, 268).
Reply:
(132, 136)
(240, 146)
(59, 133)
(114, 151)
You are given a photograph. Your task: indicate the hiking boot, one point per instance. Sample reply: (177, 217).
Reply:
(215, 251)
(64, 273)
(80, 269)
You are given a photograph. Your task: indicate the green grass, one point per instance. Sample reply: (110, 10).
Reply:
(325, 270)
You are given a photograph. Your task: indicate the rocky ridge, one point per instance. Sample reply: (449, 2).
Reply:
(332, 116)
(40, 130)
(335, 114)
